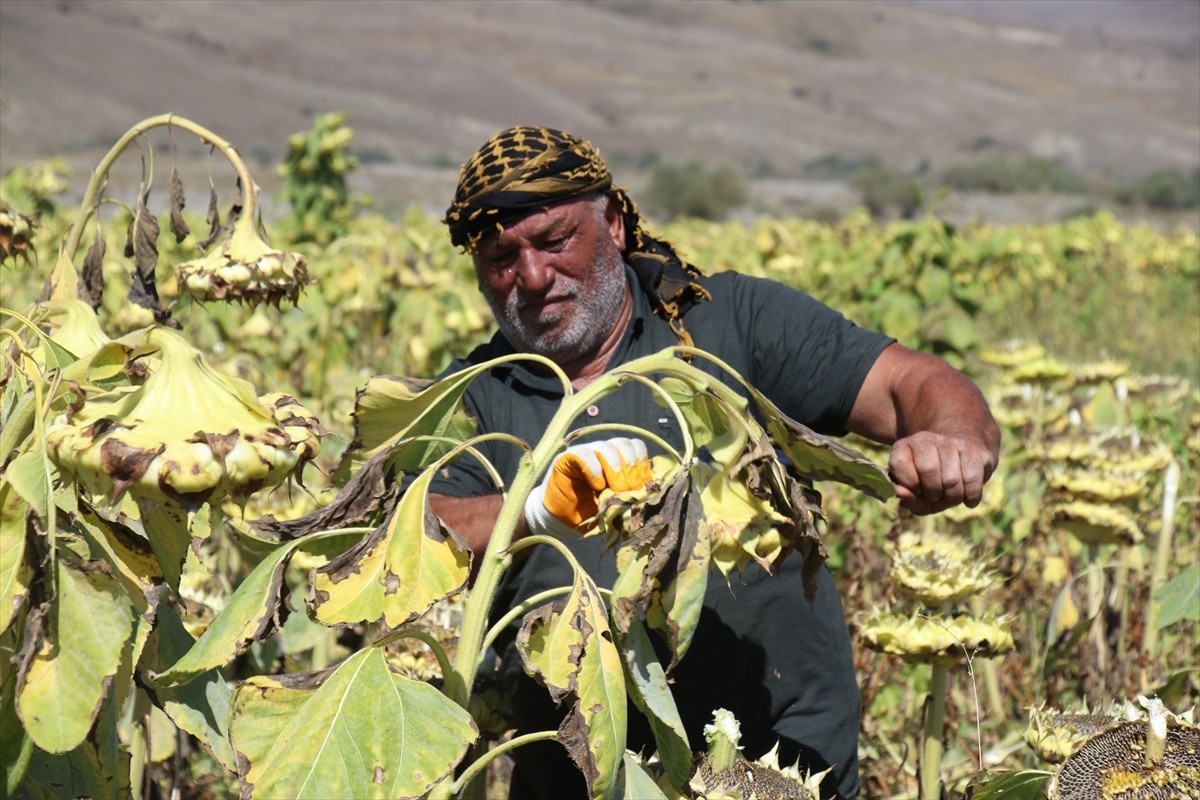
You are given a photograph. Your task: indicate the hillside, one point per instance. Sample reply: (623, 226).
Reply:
(1111, 87)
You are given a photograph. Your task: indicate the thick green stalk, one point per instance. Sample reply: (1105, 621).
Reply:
(496, 559)
(935, 724)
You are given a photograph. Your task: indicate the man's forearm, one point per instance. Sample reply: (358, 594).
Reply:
(908, 392)
(945, 442)
(472, 518)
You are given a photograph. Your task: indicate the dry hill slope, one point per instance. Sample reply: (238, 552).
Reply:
(1109, 86)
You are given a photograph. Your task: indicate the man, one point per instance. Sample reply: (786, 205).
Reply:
(562, 259)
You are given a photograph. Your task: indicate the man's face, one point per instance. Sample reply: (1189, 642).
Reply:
(555, 280)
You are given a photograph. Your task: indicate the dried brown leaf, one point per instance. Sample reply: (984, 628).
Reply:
(179, 226)
(91, 281)
(213, 218)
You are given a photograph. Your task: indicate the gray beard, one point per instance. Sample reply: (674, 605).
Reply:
(589, 323)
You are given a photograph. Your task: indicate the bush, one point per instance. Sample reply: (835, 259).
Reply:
(1164, 190)
(887, 191)
(693, 189)
(1002, 174)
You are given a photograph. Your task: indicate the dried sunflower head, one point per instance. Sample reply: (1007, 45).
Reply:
(75, 326)
(1124, 450)
(921, 639)
(1013, 354)
(1018, 406)
(1098, 372)
(1054, 735)
(1097, 523)
(1154, 759)
(1084, 484)
(188, 435)
(936, 569)
(15, 232)
(246, 269)
(1043, 371)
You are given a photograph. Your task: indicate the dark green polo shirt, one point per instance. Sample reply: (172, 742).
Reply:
(781, 664)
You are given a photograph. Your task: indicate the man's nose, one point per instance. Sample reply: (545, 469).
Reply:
(535, 273)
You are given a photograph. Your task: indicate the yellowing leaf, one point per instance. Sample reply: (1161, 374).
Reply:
(397, 573)
(358, 730)
(200, 707)
(568, 646)
(390, 410)
(15, 572)
(243, 620)
(89, 623)
(649, 689)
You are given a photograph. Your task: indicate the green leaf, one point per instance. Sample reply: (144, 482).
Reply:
(244, 619)
(815, 456)
(167, 529)
(390, 410)
(16, 748)
(898, 315)
(200, 707)
(90, 621)
(1179, 598)
(1023, 785)
(674, 610)
(1175, 692)
(15, 572)
(638, 783)
(78, 773)
(398, 572)
(647, 683)
(130, 556)
(567, 645)
(358, 730)
(29, 475)
(820, 458)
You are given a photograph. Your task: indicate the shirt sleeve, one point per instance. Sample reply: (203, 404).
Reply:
(808, 358)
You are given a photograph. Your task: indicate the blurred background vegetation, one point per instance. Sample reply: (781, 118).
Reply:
(1106, 313)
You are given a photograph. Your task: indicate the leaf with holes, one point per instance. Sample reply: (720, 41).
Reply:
(398, 572)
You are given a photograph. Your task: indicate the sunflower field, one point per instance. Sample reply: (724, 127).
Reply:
(204, 410)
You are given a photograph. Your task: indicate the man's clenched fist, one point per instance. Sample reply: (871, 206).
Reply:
(566, 498)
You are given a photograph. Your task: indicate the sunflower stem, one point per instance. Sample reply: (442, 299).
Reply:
(935, 724)
(1162, 555)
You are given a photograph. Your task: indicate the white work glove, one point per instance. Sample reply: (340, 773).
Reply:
(565, 501)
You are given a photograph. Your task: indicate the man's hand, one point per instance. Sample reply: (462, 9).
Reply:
(566, 498)
(933, 471)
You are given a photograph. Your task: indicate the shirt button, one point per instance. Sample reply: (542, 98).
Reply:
(593, 411)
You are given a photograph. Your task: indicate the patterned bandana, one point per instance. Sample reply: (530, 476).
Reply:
(526, 168)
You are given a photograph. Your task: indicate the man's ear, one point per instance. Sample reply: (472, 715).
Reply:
(616, 222)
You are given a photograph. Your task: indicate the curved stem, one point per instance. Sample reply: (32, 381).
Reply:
(64, 270)
(519, 611)
(433, 644)
(498, 556)
(479, 764)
